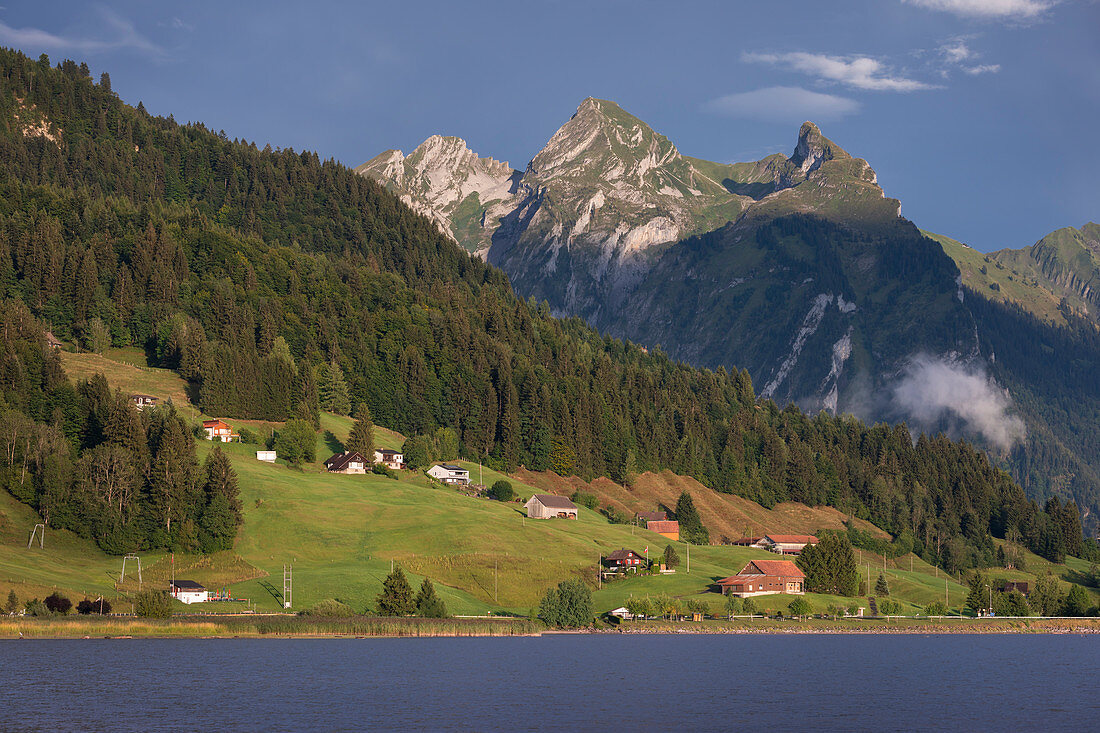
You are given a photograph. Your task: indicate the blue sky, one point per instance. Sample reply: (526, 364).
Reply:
(980, 115)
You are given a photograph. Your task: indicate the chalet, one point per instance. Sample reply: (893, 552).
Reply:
(141, 401)
(624, 559)
(53, 342)
(219, 431)
(390, 458)
(350, 461)
(1015, 585)
(450, 474)
(788, 544)
(268, 456)
(764, 577)
(646, 517)
(548, 506)
(665, 528)
(188, 591)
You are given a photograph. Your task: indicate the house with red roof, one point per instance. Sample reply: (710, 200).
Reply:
(764, 577)
(219, 431)
(787, 544)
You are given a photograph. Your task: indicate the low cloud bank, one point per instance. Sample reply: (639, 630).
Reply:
(936, 394)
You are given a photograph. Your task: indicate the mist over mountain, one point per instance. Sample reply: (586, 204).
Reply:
(796, 267)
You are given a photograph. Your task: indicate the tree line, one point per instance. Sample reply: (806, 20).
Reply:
(278, 285)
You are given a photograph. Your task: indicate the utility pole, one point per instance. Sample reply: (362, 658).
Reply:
(495, 585)
(689, 557)
(599, 572)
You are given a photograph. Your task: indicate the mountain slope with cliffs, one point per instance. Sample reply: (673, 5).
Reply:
(801, 270)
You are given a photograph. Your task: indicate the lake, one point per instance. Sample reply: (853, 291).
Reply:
(591, 682)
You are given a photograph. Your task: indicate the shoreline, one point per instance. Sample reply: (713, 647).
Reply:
(382, 628)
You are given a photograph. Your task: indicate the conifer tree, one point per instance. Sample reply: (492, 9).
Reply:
(428, 604)
(396, 598)
(361, 437)
(692, 529)
(882, 588)
(222, 515)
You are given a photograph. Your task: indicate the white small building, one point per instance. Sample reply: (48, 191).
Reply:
(548, 506)
(188, 591)
(266, 455)
(450, 474)
(390, 458)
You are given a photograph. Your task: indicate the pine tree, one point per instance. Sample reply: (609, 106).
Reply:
(691, 526)
(361, 437)
(396, 598)
(428, 604)
(13, 602)
(882, 588)
(222, 514)
(672, 558)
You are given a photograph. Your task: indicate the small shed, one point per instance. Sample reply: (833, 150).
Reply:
(188, 591)
(667, 528)
(141, 401)
(268, 456)
(548, 506)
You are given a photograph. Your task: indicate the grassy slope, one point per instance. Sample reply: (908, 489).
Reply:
(342, 532)
(1028, 294)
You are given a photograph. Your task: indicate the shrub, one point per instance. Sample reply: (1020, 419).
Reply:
(616, 516)
(35, 607)
(672, 558)
(936, 608)
(567, 606)
(329, 608)
(58, 603)
(800, 607)
(153, 604)
(889, 607)
(750, 606)
(381, 470)
(501, 491)
(247, 436)
(583, 498)
(296, 442)
(88, 606)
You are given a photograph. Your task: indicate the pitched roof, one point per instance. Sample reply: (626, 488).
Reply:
(452, 467)
(340, 461)
(746, 540)
(186, 585)
(792, 538)
(739, 579)
(653, 516)
(214, 424)
(554, 502)
(665, 526)
(387, 452)
(785, 568)
(623, 554)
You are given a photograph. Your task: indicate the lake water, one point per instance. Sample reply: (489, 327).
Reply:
(611, 683)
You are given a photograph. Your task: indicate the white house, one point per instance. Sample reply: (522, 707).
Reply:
(351, 461)
(449, 473)
(548, 506)
(188, 591)
(390, 458)
(266, 455)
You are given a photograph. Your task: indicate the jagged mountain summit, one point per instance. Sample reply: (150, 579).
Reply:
(797, 268)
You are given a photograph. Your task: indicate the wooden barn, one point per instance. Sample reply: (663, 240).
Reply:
(548, 506)
(764, 577)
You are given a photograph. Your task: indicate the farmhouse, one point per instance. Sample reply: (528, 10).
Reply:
(548, 506)
(390, 458)
(749, 542)
(645, 517)
(666, 528)
(1015, 585)
(764, 577)
(624, 559)
(450, 474)
(188, 591)
(219, 431)
(53, 342)
(350, 461)
(788, 544)
(141, 401)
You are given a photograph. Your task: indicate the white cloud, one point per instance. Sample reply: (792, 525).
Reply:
(956, 51)
(935, 392)
(991, 9)
(982, 69)
(860, 72)
(783, 104)
(122, 34)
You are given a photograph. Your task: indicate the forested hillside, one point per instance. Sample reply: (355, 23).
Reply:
(277, 283)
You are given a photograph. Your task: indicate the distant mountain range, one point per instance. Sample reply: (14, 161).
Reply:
(797, 268)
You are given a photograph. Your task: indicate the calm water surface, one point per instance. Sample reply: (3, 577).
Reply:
(612, 683)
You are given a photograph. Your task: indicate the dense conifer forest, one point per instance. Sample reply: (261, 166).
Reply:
(278, 284)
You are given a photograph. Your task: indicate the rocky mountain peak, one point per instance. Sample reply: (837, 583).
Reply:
(813, 149)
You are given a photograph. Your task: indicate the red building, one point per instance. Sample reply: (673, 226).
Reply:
(624, 559)
(764, 577)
